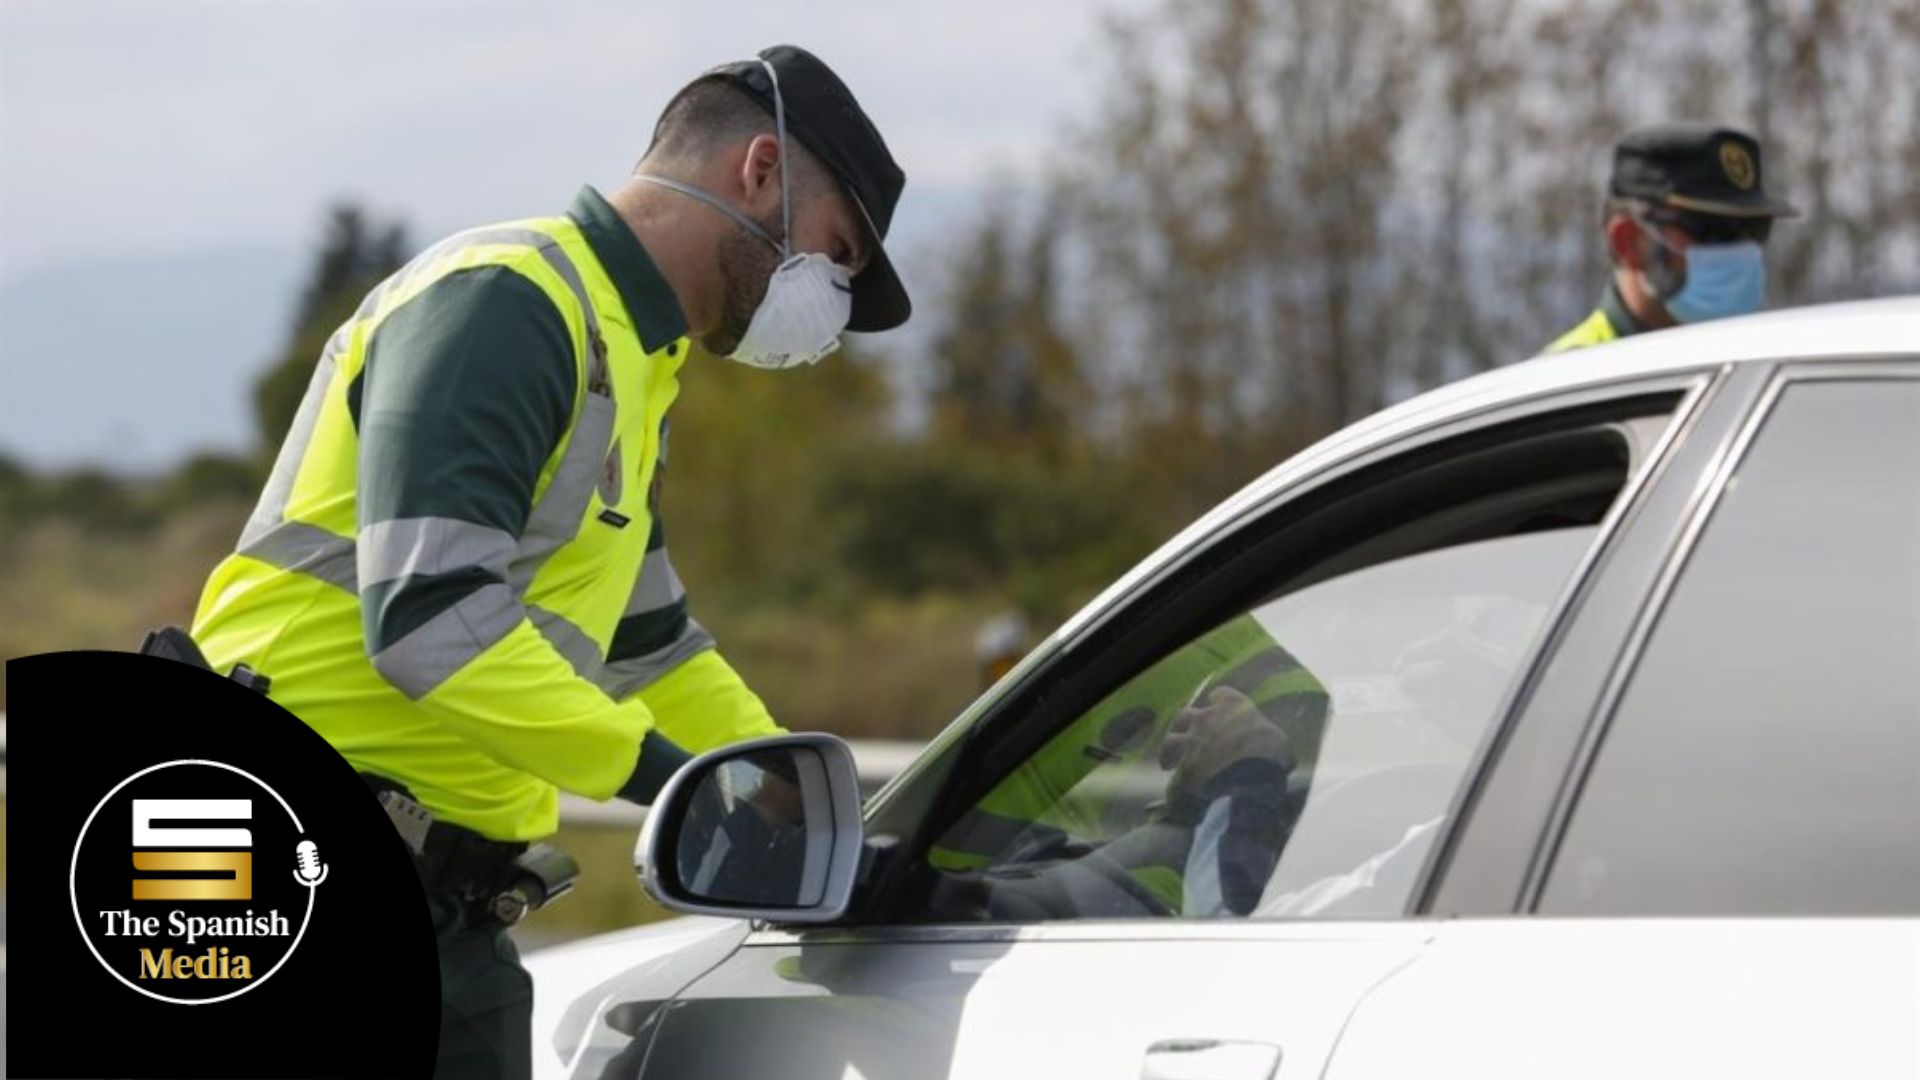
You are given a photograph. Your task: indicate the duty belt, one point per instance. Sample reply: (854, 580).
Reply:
(447, 856)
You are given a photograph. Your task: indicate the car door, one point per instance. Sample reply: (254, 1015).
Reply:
(1051, 892)
(1729, 881)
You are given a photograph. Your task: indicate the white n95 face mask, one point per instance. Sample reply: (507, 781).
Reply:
(809, 297)
(809, 300)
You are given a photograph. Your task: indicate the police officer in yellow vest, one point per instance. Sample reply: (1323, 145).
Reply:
(457, 572)
(1686, 223)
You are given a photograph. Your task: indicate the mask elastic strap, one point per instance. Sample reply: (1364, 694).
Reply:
(786, 189)
(694, 192)
(1652, 231)
(1651, 228)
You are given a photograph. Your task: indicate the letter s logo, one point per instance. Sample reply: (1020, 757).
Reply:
(235, 867)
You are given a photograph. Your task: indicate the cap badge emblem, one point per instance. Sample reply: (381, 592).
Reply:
(1738, 165)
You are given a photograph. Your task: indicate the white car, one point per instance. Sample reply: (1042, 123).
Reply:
(1560, 722)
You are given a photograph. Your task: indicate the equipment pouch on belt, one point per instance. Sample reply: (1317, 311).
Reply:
(174, 643)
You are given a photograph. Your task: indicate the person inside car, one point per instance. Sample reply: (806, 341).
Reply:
(1226, 721)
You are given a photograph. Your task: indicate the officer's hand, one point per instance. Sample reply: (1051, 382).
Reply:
(1224, 730)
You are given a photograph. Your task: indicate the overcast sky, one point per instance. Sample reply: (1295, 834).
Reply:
(164, 164)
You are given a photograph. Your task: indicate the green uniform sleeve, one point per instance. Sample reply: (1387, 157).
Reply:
(467, 391)
(664, 658)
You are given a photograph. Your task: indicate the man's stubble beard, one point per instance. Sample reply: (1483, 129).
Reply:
(746, 268)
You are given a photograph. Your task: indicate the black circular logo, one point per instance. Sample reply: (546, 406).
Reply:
(193, 881)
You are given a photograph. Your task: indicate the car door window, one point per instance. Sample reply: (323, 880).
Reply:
(1765, 757)
(1298, 757)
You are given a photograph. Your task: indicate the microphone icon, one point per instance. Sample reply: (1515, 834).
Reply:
(310, 871)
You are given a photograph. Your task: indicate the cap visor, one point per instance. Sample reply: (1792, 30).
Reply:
(1762, 208)
(879, 299)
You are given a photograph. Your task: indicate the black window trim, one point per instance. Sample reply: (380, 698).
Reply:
(1780, 376)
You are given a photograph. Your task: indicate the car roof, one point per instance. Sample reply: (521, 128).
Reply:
(1856, 328)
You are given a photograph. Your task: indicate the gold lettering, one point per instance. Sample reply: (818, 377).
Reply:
(151, 968)
(213, 964)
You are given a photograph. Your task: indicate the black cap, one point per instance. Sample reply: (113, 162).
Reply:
(822, 114)
(1696, 167)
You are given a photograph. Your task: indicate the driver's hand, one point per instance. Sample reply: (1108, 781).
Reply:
(1224, 730)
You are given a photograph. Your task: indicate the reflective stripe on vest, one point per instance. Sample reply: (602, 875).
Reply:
(395, 548)
(622, 677)
(656, 589)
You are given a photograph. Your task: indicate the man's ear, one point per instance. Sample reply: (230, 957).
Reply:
(1624, 242)
(759, 176)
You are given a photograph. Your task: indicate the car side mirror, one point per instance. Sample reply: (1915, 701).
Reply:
(764, 829)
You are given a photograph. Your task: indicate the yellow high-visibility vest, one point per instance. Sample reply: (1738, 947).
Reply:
(1593, 330)
(1610, 320)
(503, 699)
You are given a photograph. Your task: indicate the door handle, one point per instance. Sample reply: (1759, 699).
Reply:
(1210, 1059)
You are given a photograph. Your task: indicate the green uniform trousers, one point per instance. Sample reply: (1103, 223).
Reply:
(486, 998)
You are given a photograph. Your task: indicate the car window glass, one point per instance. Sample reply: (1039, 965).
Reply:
(1298, 758)
(1765, 758)
(1294, 761)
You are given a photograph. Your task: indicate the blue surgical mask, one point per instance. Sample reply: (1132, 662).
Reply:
(1722, 280)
